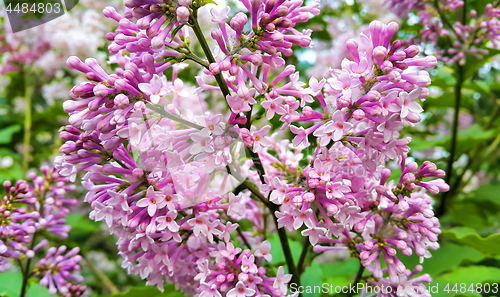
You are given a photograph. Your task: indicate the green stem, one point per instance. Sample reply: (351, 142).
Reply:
(256, 192)
(305, 249)
(172, 116)
(454, 134)
(208, 53)
(257, 163)
(27, 270)
(358, 278)
(28, 92)
(245, 241)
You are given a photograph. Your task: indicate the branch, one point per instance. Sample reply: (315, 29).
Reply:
(358, 278)
(305, 249)
(454, 133)
(245, 241)
(172, 116)
(28, 92)
(206, 49)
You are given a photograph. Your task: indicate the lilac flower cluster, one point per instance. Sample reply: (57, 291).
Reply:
(27, 212)
(461, 38)
(173, 179)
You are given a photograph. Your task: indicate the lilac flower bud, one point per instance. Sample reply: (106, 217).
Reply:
(392, 28)
(373, 96)
(379, 54)
(101, 90)
(270, 27)
(394, 76)
(395, 46)
(332, 209)
(75, 63)
(376, 28)
(281, 11)
(308, 197)
(110, 12)
(414, 118)
(398, 56)
(137, 173)
(238, 22)
(121, 101)
(412, 51)
(182, 14)
(386, 67)
(313, 183)
(358, 115)
(343, 101)
(221, 278)
(297, 201)
(214, 68)
(110, 36)
(424, 94)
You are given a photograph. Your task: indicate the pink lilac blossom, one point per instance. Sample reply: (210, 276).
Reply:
(163, 178)
(29, 209)
(461, 39)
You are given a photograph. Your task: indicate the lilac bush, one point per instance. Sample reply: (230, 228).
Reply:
(176, 175)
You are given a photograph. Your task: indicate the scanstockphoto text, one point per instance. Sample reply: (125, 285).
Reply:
(452, 288)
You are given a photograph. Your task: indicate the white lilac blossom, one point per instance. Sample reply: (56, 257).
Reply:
(173, 179)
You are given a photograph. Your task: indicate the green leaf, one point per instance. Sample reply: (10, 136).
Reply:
(313, 279)
(474, 214)
(466, 139)
(6, 133)
(347, 268)
(149, 291)
(444, 78)
(472, 274)
(486, 193)
(81, 224)
(175, 31)
(277, 251)
(469, 237)
(11, 282)
(419, 144)
(448, 257)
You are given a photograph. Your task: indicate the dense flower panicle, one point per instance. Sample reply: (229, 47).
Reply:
(162, 170)
(35, 207)
(461, 38)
